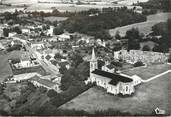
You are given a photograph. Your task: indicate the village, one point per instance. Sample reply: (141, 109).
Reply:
(64, 65)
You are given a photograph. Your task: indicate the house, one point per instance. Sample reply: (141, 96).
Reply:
(11, 34)
(25, 61)
(108, 68)
(113, 83)
(38, 82)
(101, 42)
(25, 30)
(64, 37)
(38, 45)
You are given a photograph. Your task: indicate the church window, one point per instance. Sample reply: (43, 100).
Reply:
(126, 88)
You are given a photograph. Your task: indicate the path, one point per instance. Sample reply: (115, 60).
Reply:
(157, 76)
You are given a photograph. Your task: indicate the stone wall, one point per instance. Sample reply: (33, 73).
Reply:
(145, 56)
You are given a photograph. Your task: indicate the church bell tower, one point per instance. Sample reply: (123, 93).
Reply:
(93, 62)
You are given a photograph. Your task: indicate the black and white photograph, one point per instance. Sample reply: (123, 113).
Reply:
(85, 58)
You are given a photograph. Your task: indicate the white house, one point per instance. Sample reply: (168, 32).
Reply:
(38, 46)
(64, 37)
(11, 34)
(25, 30)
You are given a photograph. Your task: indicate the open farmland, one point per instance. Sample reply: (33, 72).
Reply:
(18, 2)
(66, 7)
(52, 18)
(146, 98)
(144, 27)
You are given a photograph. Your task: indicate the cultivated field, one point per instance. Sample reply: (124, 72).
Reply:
(148, 72)
(146, 98)
(144, 27)
(52, 18)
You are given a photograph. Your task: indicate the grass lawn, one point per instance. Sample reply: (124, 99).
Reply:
(146, 98)
(148, 72)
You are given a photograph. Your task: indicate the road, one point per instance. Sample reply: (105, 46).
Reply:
(47, 67)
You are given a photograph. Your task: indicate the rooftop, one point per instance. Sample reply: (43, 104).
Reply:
(116, 78)
(45, 82)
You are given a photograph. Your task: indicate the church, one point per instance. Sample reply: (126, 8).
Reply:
(112, 82)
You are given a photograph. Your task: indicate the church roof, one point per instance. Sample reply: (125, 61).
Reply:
(116, 78)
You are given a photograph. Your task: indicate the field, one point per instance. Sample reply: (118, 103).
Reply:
(146, 98)
(148, 72)
(52, 19)
(144, 27)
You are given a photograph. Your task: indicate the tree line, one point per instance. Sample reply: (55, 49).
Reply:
(97, 25)
(164, 5)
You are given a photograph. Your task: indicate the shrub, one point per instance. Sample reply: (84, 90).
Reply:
(146, 48)
(51, 93)
(138, 64)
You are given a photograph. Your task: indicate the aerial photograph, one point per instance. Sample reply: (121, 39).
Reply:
(85, 58)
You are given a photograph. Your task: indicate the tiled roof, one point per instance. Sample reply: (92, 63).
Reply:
(116, 78)
(44, 82)
(110, 66)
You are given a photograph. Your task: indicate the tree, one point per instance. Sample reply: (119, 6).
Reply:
(62, 69)
(17, 30)
(6, 32)
(14, 61)
(58, 31)
(58, 56)
(76, 59)
(51, 93)
(133, 37)
(146, 48)
(1, 89)
(138, 64)
(117, 35)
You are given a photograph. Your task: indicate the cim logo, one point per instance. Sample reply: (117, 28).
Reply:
(159, 111)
